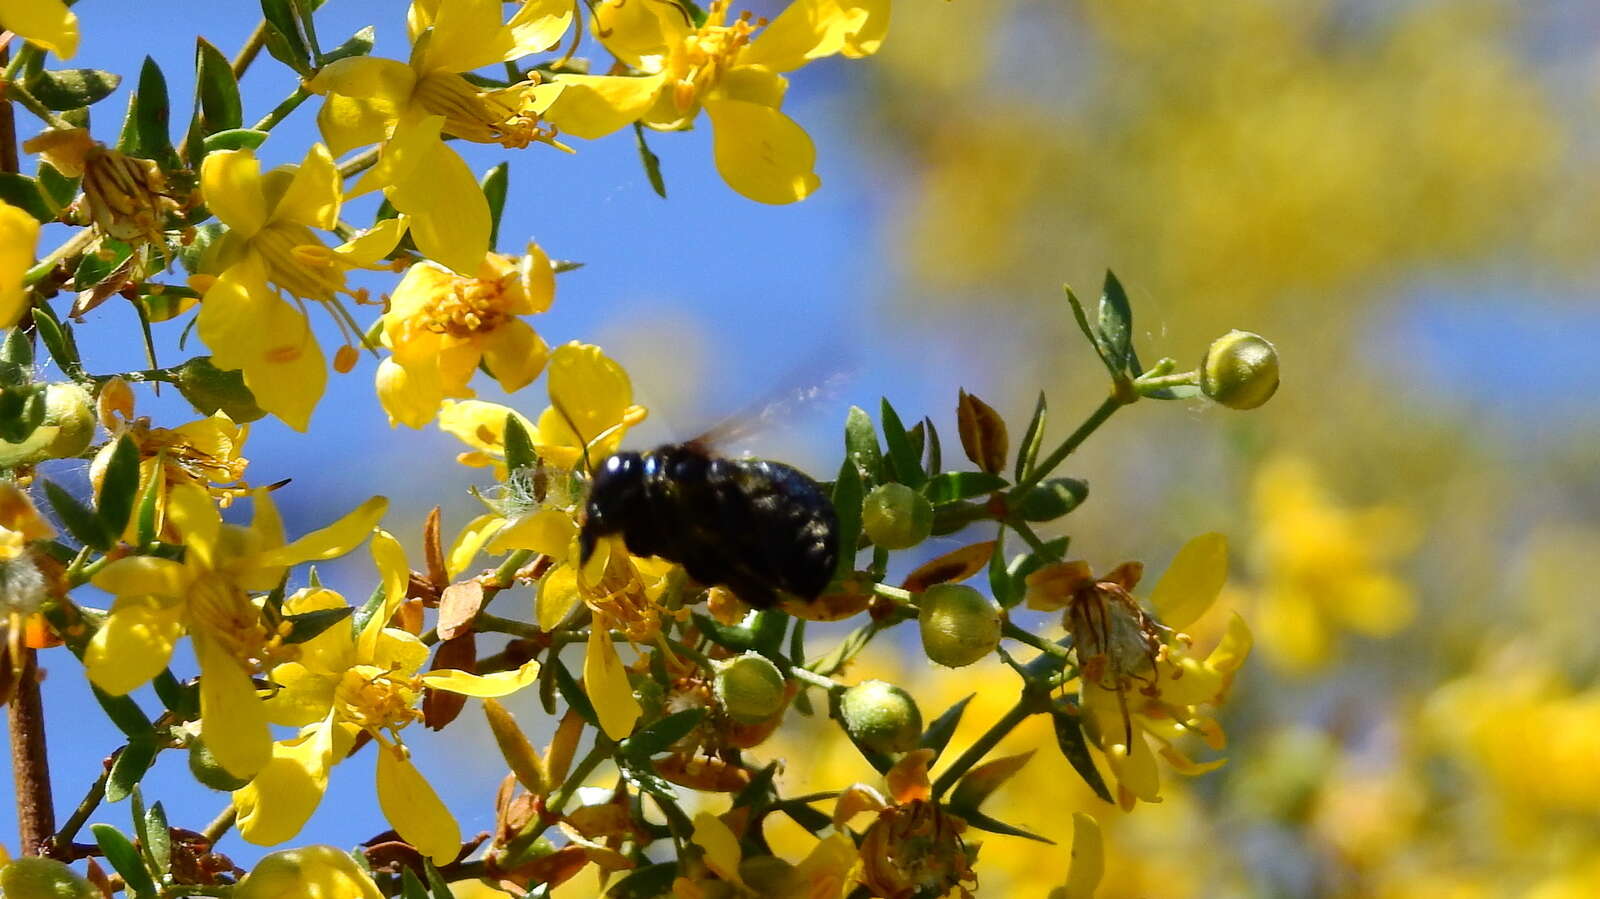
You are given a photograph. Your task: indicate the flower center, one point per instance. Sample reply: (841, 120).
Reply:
(298, 262)
(227, 616)
(480, 116)
(698, 63)
(375, 698)
(472, 306)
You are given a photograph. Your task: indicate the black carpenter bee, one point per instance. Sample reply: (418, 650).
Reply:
(757, 527)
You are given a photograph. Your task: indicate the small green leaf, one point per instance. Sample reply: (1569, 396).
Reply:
(129, 768)
(1052, 499)
(935, 451)
(66, 89)
(56, 337)
(1032, 440)
(495, 183)
(652, 163)
(371, 607)
(1024, 565)
(984, 822)
(861, 445)
(95, 268)
(124, 858)
(576, 699)
(1001, 586)
(208, 389)
(358, 44)
(17, 349)
(1069, 738)
(735, 638)
(646, 882)
(23, 192)
(958, 485)
(151, 115)
(848, 495)
(284, 39)
(234, 139)
(124, 713)
(520, 453)
(410, 886)
(216, 91)
(147, 504)
(903, 457)
(81, 523)
(1082, 319)
(436, 883)
(158, 836)
(58, 189)
(307, 625)
(120, 486)
(1115, 327)
(938, 734)
(662, 734)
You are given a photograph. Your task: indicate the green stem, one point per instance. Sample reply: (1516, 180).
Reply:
(220, 825)
(586, 765)
(16, 91)
(282, 110)
(811, 678)
(359, 163)
(487, 622)
(1022, 635)
(1027, 706)
(1076, 438)
(250, 50)
(1147, 385)
(61, 843)
(73, 246)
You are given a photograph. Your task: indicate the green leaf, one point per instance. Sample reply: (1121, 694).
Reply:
(903, 457)
(410, 886)
(861, 445)
(1052, 499)
(848, 495)
(1115, 327)
(128, 770)
(285, 41)
(1069, 738)
(56, 337)
(17, 349)
(984, 822)
(124, 713)
(662, 734)
(23, 192)
(938, 734)
(520, 453)
(158, 836)
(151, 114)
(495, 183)
(81, 523)
(759, 790)
(208, 389)
(358, 44)
(958, 485)
(1082, 319)
(120, 486)
(95, 268)
(1032, 440)
(307, 625)
(216, 91)
(652, 163)
(371, 607)
(1024, 565)
(436, 883)
(647, 882)
(806, 816)
(147, 504)
(58, 189)
(576, 699)
(66, 89)
(1001, 586)
(234, 139)
(738, 639)
(124, 859)
(21, 411)
(935, 451)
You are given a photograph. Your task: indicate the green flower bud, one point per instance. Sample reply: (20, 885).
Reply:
(897, 517)
(70, 408)
(881, 716)
(959, 625)
(43, 878)
(1240, 370)
(207, 770)
(750, 688)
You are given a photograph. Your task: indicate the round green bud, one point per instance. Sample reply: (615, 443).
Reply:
(959, 625)
(896, 517)
(1240, 370)
(32, 877)
(70, 408)
(207, 770)
(881, 716)
(750, 688)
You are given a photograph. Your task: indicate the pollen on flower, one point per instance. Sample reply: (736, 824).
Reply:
(377, 699)
(481, 116)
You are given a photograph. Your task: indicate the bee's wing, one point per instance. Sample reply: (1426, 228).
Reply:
(801, 387)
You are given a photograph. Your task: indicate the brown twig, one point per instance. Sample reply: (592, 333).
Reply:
(30, 765)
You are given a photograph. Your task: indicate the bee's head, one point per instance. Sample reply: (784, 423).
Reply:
(615, 495)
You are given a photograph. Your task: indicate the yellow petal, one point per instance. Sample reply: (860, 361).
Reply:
(390, 557)
(312, 197)
(250, 329)
(539, 25)
(1088, 858)
(275, 805)
(231, 183)
(548, 531)
(414, 809)
(467, 543)
(310, 872)
(450, 219)
(500, 683)
(398, 650)
(467, 35)
(232, 720)
(593, 106)
(410, 394)
(144, 575)
(480, 424)
(538, 279)
(190, 511)
(558, 596)
(349, 122)
(19, 235)
(720, 844)
(1235, 646)
(515, 354)
(1192, 582)
(303, 695)
(606, 681)
(632, 31)
(334, 540)
(761, 152)
(135, 642)
(371, 245)
(591, 391)
(754, 84)
(812, 29)
(47, 23)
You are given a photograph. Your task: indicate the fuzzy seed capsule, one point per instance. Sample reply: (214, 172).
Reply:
(750, 688)
(959, 625)
(43, 878)
(881, 716)
(896, 517)
(1240, 370)
(70, 408)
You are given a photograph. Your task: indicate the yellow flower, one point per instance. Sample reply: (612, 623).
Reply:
(760, 152)
(19, 234)
(345, 684)
(822, 874)
(913, 846)
(441, 326)
(47, 23)
(310, 872)
(206, 595)
(20, 522)
(126, 197)
(1325, 568)
(1088, 860)
(22, 586)
(1134, 684)
(408, 105)
(269, 241)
